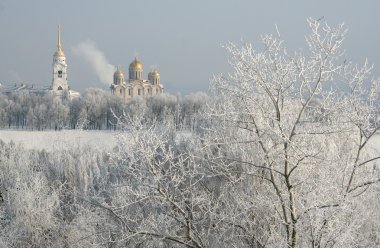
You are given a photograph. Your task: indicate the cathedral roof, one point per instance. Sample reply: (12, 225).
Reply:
(135, 64)
(118, 73)
(154, 73)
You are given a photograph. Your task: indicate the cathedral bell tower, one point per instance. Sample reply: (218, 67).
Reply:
(59, 83)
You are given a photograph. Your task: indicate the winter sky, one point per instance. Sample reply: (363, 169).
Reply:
(183, 39)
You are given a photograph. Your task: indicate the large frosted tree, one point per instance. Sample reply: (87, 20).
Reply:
(298, 126)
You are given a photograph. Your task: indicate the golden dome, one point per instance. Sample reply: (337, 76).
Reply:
(154, 73)
(59, 53)
(118, 73)
(136, 64)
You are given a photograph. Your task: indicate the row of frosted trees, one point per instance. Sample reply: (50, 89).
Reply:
(95, 110)
(280, 158)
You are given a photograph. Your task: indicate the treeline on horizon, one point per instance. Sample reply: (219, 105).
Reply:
(96, 109)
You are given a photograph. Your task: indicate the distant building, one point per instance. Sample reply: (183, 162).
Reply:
(59, 86)
(135, 85)
(24, 88)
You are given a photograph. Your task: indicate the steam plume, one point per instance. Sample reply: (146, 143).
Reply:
(96, 59)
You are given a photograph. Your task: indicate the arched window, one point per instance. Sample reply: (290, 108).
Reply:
(60, 88)
(121, 91)
(139, 92)
(60, 74)
(129, 91)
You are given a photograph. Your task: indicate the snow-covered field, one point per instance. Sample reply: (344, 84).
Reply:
(54, 140)
(106, 140)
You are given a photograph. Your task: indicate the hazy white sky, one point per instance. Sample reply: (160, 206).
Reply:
(181, 38)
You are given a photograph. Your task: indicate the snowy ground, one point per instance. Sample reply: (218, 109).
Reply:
(53, 140)
(105, 140)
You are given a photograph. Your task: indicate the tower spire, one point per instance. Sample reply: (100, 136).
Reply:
(59, 37)
(59, 52)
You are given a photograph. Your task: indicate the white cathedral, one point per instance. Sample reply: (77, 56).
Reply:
(135, 86)
(59, 86)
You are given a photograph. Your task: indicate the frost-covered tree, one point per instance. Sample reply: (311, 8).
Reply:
(294, 129)
(28, 205)
(284, 158)
(159, 196)
(98, 107)
(44, 196)
(192, 105)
